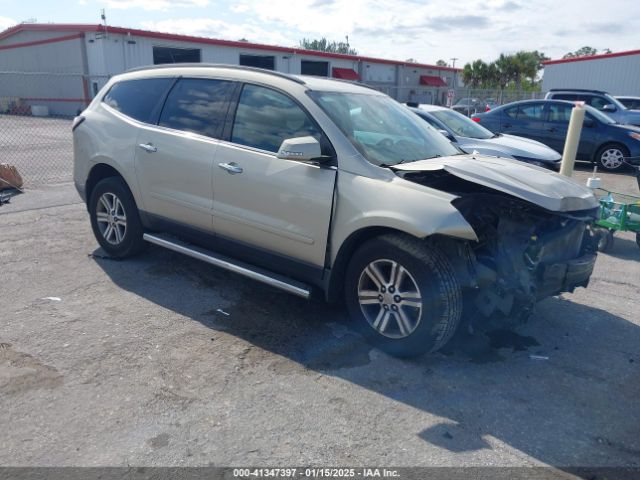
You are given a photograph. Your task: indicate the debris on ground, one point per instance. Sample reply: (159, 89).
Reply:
(53, 299)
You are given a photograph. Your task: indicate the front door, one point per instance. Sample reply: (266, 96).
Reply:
(174, 160)
(278, 206)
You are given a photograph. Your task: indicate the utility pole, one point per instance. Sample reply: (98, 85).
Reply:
(453, 65)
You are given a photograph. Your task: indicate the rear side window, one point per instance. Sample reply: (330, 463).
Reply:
(197, 105)
(137, 98)
(265, 118)
(530, 112)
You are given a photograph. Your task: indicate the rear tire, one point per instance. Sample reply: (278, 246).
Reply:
(610, 157)
(115, 219)
(403, 295)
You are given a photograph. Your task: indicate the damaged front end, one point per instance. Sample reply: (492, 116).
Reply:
(524, 251)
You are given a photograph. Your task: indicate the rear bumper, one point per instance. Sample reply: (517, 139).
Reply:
(566, 276)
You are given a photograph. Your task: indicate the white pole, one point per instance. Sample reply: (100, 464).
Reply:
(573, 138)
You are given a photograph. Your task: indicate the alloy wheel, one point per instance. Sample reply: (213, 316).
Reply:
(389, 298)
(111, 218)
(612, 158)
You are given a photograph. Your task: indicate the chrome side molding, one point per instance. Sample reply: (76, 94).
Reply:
(212, 258)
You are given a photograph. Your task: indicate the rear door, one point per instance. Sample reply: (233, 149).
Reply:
(174, 159)
(556, 124)
(524, 120)
(276, 206)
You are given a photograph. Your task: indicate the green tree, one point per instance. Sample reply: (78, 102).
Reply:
(585, 52)
(474, 74)
(324, 45)
(506, 68)
(442, 63)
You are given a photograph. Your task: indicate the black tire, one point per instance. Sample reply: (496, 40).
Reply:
(605, 239)
(638, 239)
(611, 147)
(131, 242)
(433, 274)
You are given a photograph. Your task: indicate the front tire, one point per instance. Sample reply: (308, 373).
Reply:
(115, 219)
(403, 295)
(611, 157)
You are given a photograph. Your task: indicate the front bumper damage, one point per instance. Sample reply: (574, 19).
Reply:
(565, 276)
(524, 254)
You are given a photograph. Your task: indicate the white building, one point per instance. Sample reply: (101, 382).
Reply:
(615, 73)
(62, 66)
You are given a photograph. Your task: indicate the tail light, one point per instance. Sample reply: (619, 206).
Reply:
(476, 119)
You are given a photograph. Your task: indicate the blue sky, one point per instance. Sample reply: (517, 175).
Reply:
(398, 29)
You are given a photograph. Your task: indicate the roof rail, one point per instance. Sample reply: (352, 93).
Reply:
(576, 90)
(219, 65)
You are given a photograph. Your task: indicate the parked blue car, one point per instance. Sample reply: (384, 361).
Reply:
(603, 141)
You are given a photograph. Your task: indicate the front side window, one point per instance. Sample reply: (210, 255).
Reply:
(264, 118)
(197, 105)
(137, 98)
(382, 130)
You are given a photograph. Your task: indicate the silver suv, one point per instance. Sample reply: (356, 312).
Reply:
(599, 100)
(310, 184)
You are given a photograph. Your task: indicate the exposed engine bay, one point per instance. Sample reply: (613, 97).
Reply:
(524, 252)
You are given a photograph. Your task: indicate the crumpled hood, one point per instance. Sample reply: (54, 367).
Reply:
(537, 185)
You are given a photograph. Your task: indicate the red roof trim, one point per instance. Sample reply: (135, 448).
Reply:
(209, 41)
(432, 81)
(345, 73)
(592, 57)
(42, 42)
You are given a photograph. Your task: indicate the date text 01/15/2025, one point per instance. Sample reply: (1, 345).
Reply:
(314, 473)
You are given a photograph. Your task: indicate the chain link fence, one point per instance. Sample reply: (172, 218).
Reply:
(36, 110)
(465, 100)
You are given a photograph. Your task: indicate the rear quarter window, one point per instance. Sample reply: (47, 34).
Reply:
(137, 98)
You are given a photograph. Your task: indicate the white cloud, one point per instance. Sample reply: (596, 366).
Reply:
(155, 4)
(213, 28)
(6, 22)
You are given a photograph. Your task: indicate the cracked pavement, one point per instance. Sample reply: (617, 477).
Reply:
(164, 361)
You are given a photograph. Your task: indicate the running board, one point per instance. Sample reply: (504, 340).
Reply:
(264, 276)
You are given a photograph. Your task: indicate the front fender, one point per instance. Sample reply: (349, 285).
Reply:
(364, 202)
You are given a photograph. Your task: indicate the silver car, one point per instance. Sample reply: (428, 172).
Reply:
(470, 137)
(315, 185)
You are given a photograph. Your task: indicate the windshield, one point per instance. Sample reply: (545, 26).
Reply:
(383, 131)
(461, 125)
(600, 116)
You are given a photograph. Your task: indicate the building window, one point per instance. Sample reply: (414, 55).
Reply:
(175, 55)
(259, 61)
(319, 69)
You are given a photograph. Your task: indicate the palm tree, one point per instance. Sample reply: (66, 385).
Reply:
(473, 74)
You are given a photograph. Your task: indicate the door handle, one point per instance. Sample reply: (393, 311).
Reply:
(148, 147)
(232, 167)
(506, 125)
